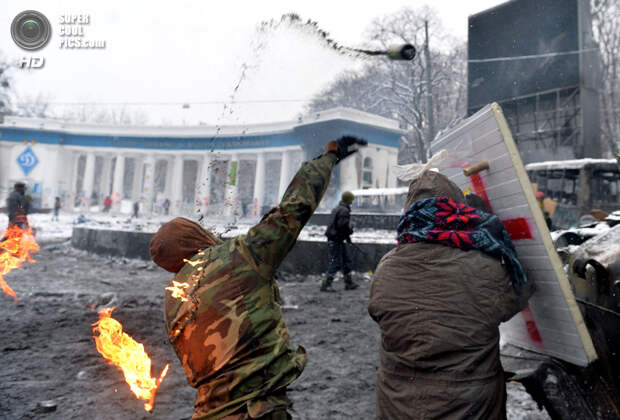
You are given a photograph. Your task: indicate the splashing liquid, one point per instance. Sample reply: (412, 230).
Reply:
(294, 21)
(264, 31)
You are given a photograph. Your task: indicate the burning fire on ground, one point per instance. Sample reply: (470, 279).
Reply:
(124, 352)
(16, 246)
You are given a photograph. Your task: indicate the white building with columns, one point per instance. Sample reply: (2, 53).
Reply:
(225, 170)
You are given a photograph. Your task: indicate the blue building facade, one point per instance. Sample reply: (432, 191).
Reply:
(223, 170)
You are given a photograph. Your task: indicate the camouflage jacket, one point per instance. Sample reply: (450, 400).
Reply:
(229, 334)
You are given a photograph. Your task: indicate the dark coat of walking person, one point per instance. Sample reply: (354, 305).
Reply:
(222, 310)
(57, 206)
(18, 206)
(338, 235)
(438, 298)
(166, 206)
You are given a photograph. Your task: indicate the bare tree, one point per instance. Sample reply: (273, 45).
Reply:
(606, 28)
(10, 103)
(355, 89)
(89, 113)
(34, 106)
(6, 87)
(398, 89)
(40, 105)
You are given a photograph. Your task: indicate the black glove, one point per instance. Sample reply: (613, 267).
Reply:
(344, 146)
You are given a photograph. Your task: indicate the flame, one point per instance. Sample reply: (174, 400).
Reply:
(193, 263)
(178, 290)
(129, 355)
(16, 246)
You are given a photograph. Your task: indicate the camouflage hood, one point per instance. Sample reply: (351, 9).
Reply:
(178, 240)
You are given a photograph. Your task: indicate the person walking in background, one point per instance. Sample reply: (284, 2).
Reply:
(222, 310)
(57, 206)
(540, 198)
(338, 233)
(166, 206)
(136, 209)
(107, 204)
(439, 298)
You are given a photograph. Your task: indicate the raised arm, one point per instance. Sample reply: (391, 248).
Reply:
(272, 239)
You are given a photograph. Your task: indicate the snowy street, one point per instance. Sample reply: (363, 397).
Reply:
(49, 354)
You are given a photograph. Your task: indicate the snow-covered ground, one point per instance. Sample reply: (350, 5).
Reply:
(582, 231)
(48, 353)
(50, 231)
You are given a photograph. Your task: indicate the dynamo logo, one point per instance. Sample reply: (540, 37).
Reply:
(27, 160)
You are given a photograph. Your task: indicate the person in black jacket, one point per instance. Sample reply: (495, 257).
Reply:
(337, 233)
(18, 206)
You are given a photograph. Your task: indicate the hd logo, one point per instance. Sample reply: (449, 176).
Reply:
(31, 62)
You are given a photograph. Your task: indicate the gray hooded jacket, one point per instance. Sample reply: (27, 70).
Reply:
(439, 309)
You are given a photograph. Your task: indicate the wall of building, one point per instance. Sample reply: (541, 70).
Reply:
(550, 98)
(237, 173)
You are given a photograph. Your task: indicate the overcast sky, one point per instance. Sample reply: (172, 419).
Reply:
(193, 51)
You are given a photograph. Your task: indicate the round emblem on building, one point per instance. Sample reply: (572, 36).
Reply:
(31, 30)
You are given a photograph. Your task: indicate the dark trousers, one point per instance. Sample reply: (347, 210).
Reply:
(339, 258)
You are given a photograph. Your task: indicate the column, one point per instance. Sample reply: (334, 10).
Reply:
(285, 172)
(5, 176)
(349, 173)
(89, 178)
(392, 162)
(380, 168)
(203, 185)
(259, 186)
(50, 183)
(232, 186)
(65, 179)
(177, 185)
(168, 180)
(136, 194)
(148, 193)
(63, 171)
(105, 178)
(76, 196)
(117, 187)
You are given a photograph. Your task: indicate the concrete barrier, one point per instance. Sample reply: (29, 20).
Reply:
(361, 220)
(117, 243)
(306, 257)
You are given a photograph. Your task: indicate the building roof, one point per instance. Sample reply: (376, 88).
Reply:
(568, 164)
(339, 113)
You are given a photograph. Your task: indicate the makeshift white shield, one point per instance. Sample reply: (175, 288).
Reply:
(553, 323)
